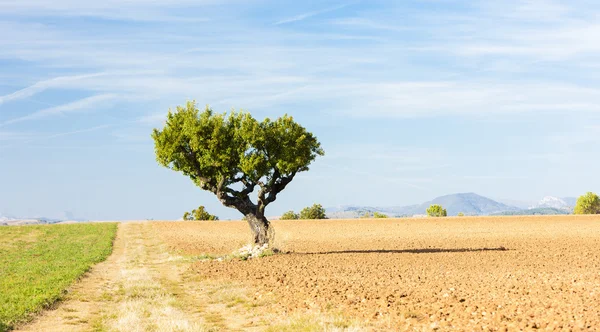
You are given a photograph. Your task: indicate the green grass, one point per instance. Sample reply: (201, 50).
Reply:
(38, 263)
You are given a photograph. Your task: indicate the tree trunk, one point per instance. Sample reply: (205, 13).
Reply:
(260, 226)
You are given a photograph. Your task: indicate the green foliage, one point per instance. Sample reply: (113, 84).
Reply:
(290, 215)
(210, 147)
(313, 212)
(378, 215)
(231, 154)
(533, 212)
(436, 210)
(375, 215)
(460, 214)
(588, 204)
(38, 263)
(199, 214)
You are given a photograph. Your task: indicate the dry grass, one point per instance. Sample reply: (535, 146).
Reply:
(144, 303)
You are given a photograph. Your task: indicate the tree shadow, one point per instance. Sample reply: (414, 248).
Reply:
(402, 251)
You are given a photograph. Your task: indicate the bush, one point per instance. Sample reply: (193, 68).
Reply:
(436, 210)
(460, 214)
(588, 204)
(199, 214)
(378, 215)
(313, 212)
(290, 215)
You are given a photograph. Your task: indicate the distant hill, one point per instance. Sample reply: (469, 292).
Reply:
(543, 211)
(15, 221)
(467, 203)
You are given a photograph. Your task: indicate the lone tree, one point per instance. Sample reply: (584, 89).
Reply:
(436, 210)
(232, 154)
(588, 204)
(199, 214)
(313, 212)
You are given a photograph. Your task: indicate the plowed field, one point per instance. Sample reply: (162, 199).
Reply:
(492, 273)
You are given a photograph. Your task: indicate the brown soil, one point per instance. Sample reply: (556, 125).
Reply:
(492, 273)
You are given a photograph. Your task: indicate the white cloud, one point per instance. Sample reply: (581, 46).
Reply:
(391, 76)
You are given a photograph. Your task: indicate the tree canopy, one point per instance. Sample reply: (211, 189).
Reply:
(313, 212)
(232, 154)
(199, 214)
(436, 210)
(290, 215)
(588, 204)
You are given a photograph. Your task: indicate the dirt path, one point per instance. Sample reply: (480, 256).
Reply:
(141, 287)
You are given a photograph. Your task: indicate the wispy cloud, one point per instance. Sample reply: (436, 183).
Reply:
(304, 16)
(75, 106)
(80, 131)
(20, 139)
(14, 136)
(44, 85)
(137, 10)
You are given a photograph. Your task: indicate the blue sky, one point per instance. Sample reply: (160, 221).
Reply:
(410, 99)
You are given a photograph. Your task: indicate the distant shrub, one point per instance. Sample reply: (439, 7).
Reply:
(375, 215)
(290, 215)
(313, 212)
(460, 214)
(588, 204)
(436, 210)
(199, 214)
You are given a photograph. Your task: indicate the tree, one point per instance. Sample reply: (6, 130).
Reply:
(436, 210)
(290, 215)
(378, 215)
(313, 212)
(199, 214)
(232, 154)
(588, 204)
(460, 214)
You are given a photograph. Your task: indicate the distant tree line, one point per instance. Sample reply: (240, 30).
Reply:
(316, 211)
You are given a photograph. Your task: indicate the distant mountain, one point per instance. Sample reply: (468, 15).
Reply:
(565, 204)
(467, 203)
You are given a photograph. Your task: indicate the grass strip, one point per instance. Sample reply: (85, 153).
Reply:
(38, 263)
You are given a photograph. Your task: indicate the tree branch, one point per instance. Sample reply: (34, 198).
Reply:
(277, 187)
(235, 199)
